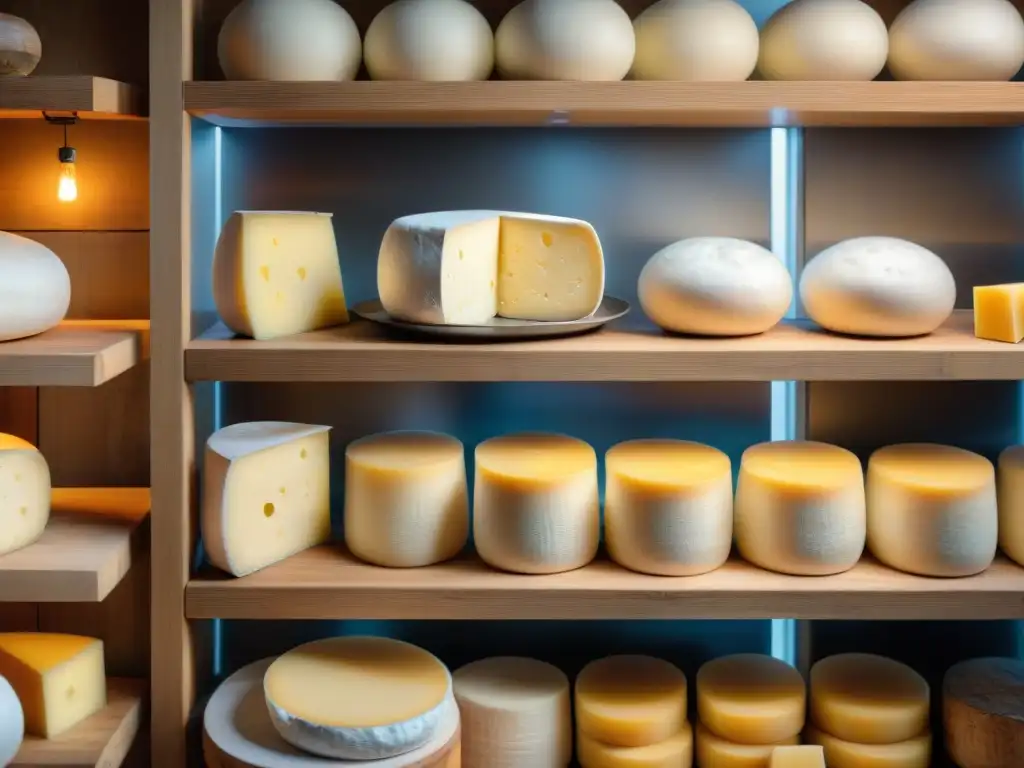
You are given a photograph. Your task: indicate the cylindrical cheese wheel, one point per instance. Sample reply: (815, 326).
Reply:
(668, 506)
(715, 752)
(35, 288)
(750, 698)
(800, 508)
(630, 701)
(932, 509)
(674, 752)
(1011, 502)
(868, 699)
(983, 713)
(912, 753)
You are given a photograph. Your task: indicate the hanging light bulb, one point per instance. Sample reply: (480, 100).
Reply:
(67, 186)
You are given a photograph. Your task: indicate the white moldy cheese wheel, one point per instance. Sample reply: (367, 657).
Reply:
(12, 723)
(1011, 502)
(715, 752)
(674, 752)
(406, 501)
(983, 712)
(630, 700)
(912, 753)
(516, 713)
(932, 509)
(800, 508)
(25, 502)
(35, 288)
(535, 503)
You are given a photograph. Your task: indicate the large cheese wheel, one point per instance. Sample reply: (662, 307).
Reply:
(715, 752)
(983, 713)
(696, 40)
(824, 40)
(1010, 487)
(35, 289)
(20, 48)
(912, 753)
(12, 722)
(289, 40)
(444, 40)
(715, 286)
(674, 752)
(932, 509)
(878, 286)
(565, 40)
(957, 40)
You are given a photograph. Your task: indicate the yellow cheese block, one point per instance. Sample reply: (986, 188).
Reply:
(802, 756)
(59, 679)
(715, 752)
(983, 712)
(674, 752)
(1010, 486)
(630, 700)
(999, 312)
(868, 699)
(25, 501)
(912, 753)
(749, 698)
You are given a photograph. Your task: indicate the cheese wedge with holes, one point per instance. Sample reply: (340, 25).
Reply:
(60, 679)
(983, 712)
(25, 502)
(266, 493)
(716, 752)
(12, 723)
(999, 312)
(674, 752)
(276, 273)
(912, 753)
(802, 756)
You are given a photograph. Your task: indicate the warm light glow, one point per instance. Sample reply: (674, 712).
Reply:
(67, 187)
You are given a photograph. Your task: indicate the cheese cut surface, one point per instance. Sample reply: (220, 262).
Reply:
(912, 753)
(276, 273)
(266, 493)
(999, 312)
(668, 506)
(983, 712)
(674, 752)
(800, 508)
(466, 267)
(715, 752)
(60, 679)
(12, 723)
(535, 503)
(630, 700)
(25, 502)
(358, 698)
(1010, 487)
(868, 699)
(932, 509)
(516, 713)
(406, 502)
(802, 756)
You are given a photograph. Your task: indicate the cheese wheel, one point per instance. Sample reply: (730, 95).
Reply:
(35, 289)
(695, 40)
(750, 698)
(535, 503)
(12, 723)
(912, 753)
(932, 509)
(516, 713)
(1011, 502)
(630, 700)
(715, 752)
(406, 502)
(801, 756)
(20, 50)
(868, 699)
(715, 286)
(674, 752)
(565, 40)
(983, 713)
(800, 508)
(358, 698)
(25, 503)
(957, 40)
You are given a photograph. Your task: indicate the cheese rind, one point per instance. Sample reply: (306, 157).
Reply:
(912, 753)
(12, 723)
(983, 712)
(999, 312)
(674, 752)
(715, 752)
(35, 288)
(802, 756)
(1010, 495)
(25, 503)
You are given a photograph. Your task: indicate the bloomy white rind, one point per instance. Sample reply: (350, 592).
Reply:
(35, 288)
(12, 723)
(237, 440)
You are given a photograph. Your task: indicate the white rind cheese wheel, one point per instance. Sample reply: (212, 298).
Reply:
(20, 49)
(957, 40)
(668, 506)
(715, 752)
(878, 286)
(983, 712)
(912, 753)
(932, 509)
(516, 713)
(800, 756)
(800, 508)
(35, 289)
(674, 752)
(535, 503)
(824, 40)
(358, 698)
(12, 723)
(434, 40)
(25, 503)
(1011, 502)
(715, 286)
(406, 501)
(565, 40)
(289, 40)
(695, 40)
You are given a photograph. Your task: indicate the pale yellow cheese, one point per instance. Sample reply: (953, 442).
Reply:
(674, 752)
(912, 753)
(1011, 502)
(59, 679)
(715, 752)
(802, 756)
(750, 698)
(999, 312)
(25, 501)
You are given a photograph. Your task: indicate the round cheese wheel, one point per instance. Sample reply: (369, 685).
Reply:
(443, 40)
(912, 753)
(878, 286)
(868, 699)
(932, 509)
(35, 289)
(823, 40)
(289, 40)
(20, 46)
(1010, 486)
(957, 40)
(715, 752)
(983, 712)
(565, 40)
(750, 698)
(630, 700)
(674, 752)
(696, 40)
(715, 286)
(12, 723)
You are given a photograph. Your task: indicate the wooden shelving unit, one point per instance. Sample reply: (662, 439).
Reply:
(96, 98)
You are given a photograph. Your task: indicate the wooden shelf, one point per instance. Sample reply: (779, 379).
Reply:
(101, 741)
(90, 97)
(84, 552)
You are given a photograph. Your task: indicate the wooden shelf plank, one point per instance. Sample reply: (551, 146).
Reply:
(100, 741)
(361, 352)
(84, 552)
(90, 97)
(328, 583)
(746, 104)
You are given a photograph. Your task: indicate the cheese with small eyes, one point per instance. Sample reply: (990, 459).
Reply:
(25, 504)
(715, 752)
(912, 753)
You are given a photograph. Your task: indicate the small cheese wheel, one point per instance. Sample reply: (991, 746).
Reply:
(715, 286)
(630, 700)
(565, 40)
(912, 753)
(674, 752)
(800, 756)
(12, 723)
(535, 503)
(695, 40)
(932, 509)
(35, 288)
(868, 699)
(800, 508)
(715, 752)
(25, 503)
(983, 712)
(1011, 502)
(750, 698)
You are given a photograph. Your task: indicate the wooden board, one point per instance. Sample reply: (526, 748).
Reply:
(89, 97)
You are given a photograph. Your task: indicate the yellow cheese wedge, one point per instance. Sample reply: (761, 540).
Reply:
(802, 756)
(1010, 486)
(715, 752)
(983, 712)
(999, 312)
(25, 502)
(674, 752)
(912, 753)
(60, 679)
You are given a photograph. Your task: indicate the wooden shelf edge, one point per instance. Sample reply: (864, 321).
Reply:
(91, 97)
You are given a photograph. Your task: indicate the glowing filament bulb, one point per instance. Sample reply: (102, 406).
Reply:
(67, 185)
